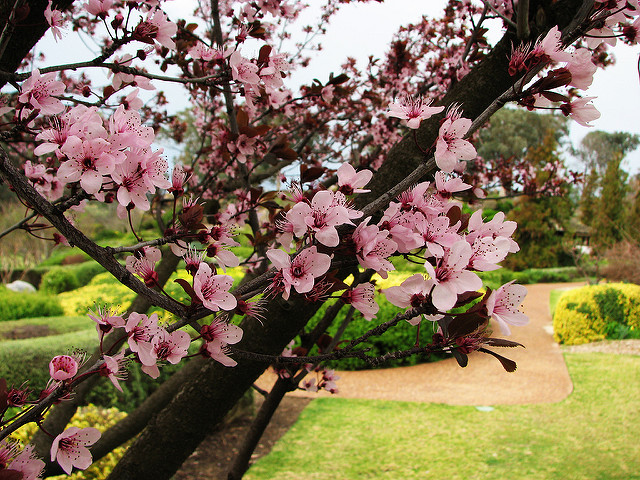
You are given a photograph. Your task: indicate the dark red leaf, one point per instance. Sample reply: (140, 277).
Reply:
(263, 57)
(508, 365)
(309, 174)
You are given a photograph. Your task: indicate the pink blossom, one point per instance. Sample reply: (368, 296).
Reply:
(114, 368)
(447, 187)
(225, 258)
(350, 181)
(126, 130)
(243, 70)
(213, 290)
(26, 463)
(218, 336)
(437, 233)
(171, 347)
(412, 111)
(106, 319)
(450, 146)
(581, 110)
(503, 305)
(140, 330)
(157, 27)
(581, 68)
(55, 20)
(99, 8)
(63, 367)
(154, 167)
(414, 292)
(132, 187)
(310, 385)
(496, 227)
(361, 297)
(39, 92)
(487, 252)
(302, 271)
(69, 448)
(551, 46)
(451, 276)
(89, 161)
(326, 212)
(142, 263)
(373, 247)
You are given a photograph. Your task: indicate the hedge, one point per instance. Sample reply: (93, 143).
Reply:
(16, 305)
(29, 358)
(598, 312)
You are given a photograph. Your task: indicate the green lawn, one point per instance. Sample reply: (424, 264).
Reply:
(590, 435)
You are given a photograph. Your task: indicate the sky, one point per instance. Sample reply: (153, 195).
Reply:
(360, 30)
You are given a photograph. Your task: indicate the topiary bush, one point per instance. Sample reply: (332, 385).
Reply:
(58, 280)
(89, 416)
(598, 312)
(14, 305)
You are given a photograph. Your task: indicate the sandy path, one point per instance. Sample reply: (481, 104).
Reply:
(541, 377)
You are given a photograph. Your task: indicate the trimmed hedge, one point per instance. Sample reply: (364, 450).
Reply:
(29, 358)
(16, 305)
(89, 416)
(597, 312)
(70, 277)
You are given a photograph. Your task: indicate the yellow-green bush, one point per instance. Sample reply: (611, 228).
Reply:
(89, 416)
(597, 312)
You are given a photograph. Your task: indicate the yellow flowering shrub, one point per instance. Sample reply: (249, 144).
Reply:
(89, 416)
(597, 312)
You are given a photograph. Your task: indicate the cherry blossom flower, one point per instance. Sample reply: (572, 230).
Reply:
(437, 233)
(361, 298)
(106, 319)
(89, 161)
(329, 379)
(243, 70)
(450, 146)
(143, 264)
(39, 92)
(126, 130)
(326, 212)
(213, 290)
(452, 277)
(132, 187)
(23, 465)
(171, 347)
(350, 181)
(414, 292)
(302, 271)
(373, 247)
(156, 27)
(140, 330)
(54, 19)
(412, 111)
(551, 46)
(581, 68)
(63, 367)
(446, 187)
(114, 368)
(70, 450)
(218, 336)
(503, 304)
(99, 8)
(581, 110)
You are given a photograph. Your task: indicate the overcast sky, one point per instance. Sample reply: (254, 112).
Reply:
(360, 30)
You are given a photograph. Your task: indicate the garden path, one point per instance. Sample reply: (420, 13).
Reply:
(541, 377)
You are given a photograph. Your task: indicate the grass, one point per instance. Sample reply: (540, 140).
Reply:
(55, 325)
(590, 435)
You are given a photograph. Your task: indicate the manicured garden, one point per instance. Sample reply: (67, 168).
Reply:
(589, 435)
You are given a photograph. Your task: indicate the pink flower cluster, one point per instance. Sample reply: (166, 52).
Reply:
(105, 159)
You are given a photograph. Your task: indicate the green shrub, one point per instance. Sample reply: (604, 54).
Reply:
(598, 312)
(16, 305)
(58, 280)
(400, 337)
(89, 416)
(63, 279)
(28, 359)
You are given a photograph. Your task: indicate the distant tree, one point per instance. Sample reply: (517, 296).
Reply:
(543, 220)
